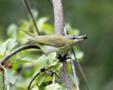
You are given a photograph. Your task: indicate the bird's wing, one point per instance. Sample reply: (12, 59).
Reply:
(52, 40)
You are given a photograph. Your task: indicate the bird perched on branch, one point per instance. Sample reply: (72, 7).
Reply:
(56, 43)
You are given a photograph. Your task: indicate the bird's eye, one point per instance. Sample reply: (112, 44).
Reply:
(73, 38)
(85, 37)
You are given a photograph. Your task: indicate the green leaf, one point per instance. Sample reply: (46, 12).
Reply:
(79, 55)
(46, 61)
(72, 30)
(3, 48)
(11, 76)
(11, 43)
(47, 28)
(41, 78)
(41, 22)
(35, 88)
(35, 13)
(54, 86)
(12, 31)
(7, 46)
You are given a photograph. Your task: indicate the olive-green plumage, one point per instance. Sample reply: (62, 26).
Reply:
(54, 43)
(53, 40)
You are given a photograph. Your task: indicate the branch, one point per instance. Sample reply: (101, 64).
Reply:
(31, 14)
(59, 29)
(65, 77)
(58, 16)
(75, 76)
(37, 74)
(75, 62)
(5, 78)
(21, 48)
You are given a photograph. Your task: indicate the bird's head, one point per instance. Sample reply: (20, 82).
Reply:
(77, 38)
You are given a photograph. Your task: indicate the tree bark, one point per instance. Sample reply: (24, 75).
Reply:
(59, 29)
(58, 17)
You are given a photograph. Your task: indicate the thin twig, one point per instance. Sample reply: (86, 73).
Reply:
(5, 76)
(21, 48)
(50, 2)
(75, 76)
(73, 65)
(80, 68)
(29, 86)
(31, 14)
(3, 87)
(37, 74)
(65, 77)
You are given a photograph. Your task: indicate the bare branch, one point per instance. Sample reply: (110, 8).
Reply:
(33, 19)
(75, 76)
(59, 29)
(3, 87)
(58, 16)
(80, 68)
(21, 48)
(65, 77)
(5, 78)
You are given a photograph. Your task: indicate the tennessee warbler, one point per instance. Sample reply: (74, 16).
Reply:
(56, 43)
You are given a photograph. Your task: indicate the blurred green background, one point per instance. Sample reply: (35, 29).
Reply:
(92, 17)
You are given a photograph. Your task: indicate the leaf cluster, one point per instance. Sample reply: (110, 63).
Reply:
(27, 63)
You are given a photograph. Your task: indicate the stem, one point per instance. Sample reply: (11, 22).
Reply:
(59, 29)
(31, 14)
(65, 77)
(80, 68)
(5, 78)
(37, 74)
(29, 86)
(21, 48)
(75, 76)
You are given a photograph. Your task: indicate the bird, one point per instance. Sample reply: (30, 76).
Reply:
(56, 43)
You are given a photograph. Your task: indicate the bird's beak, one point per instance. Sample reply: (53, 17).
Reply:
(77, 38)
(81, 37)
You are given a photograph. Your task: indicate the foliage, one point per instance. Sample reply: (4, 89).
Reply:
(92, 17)
(27, 63)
